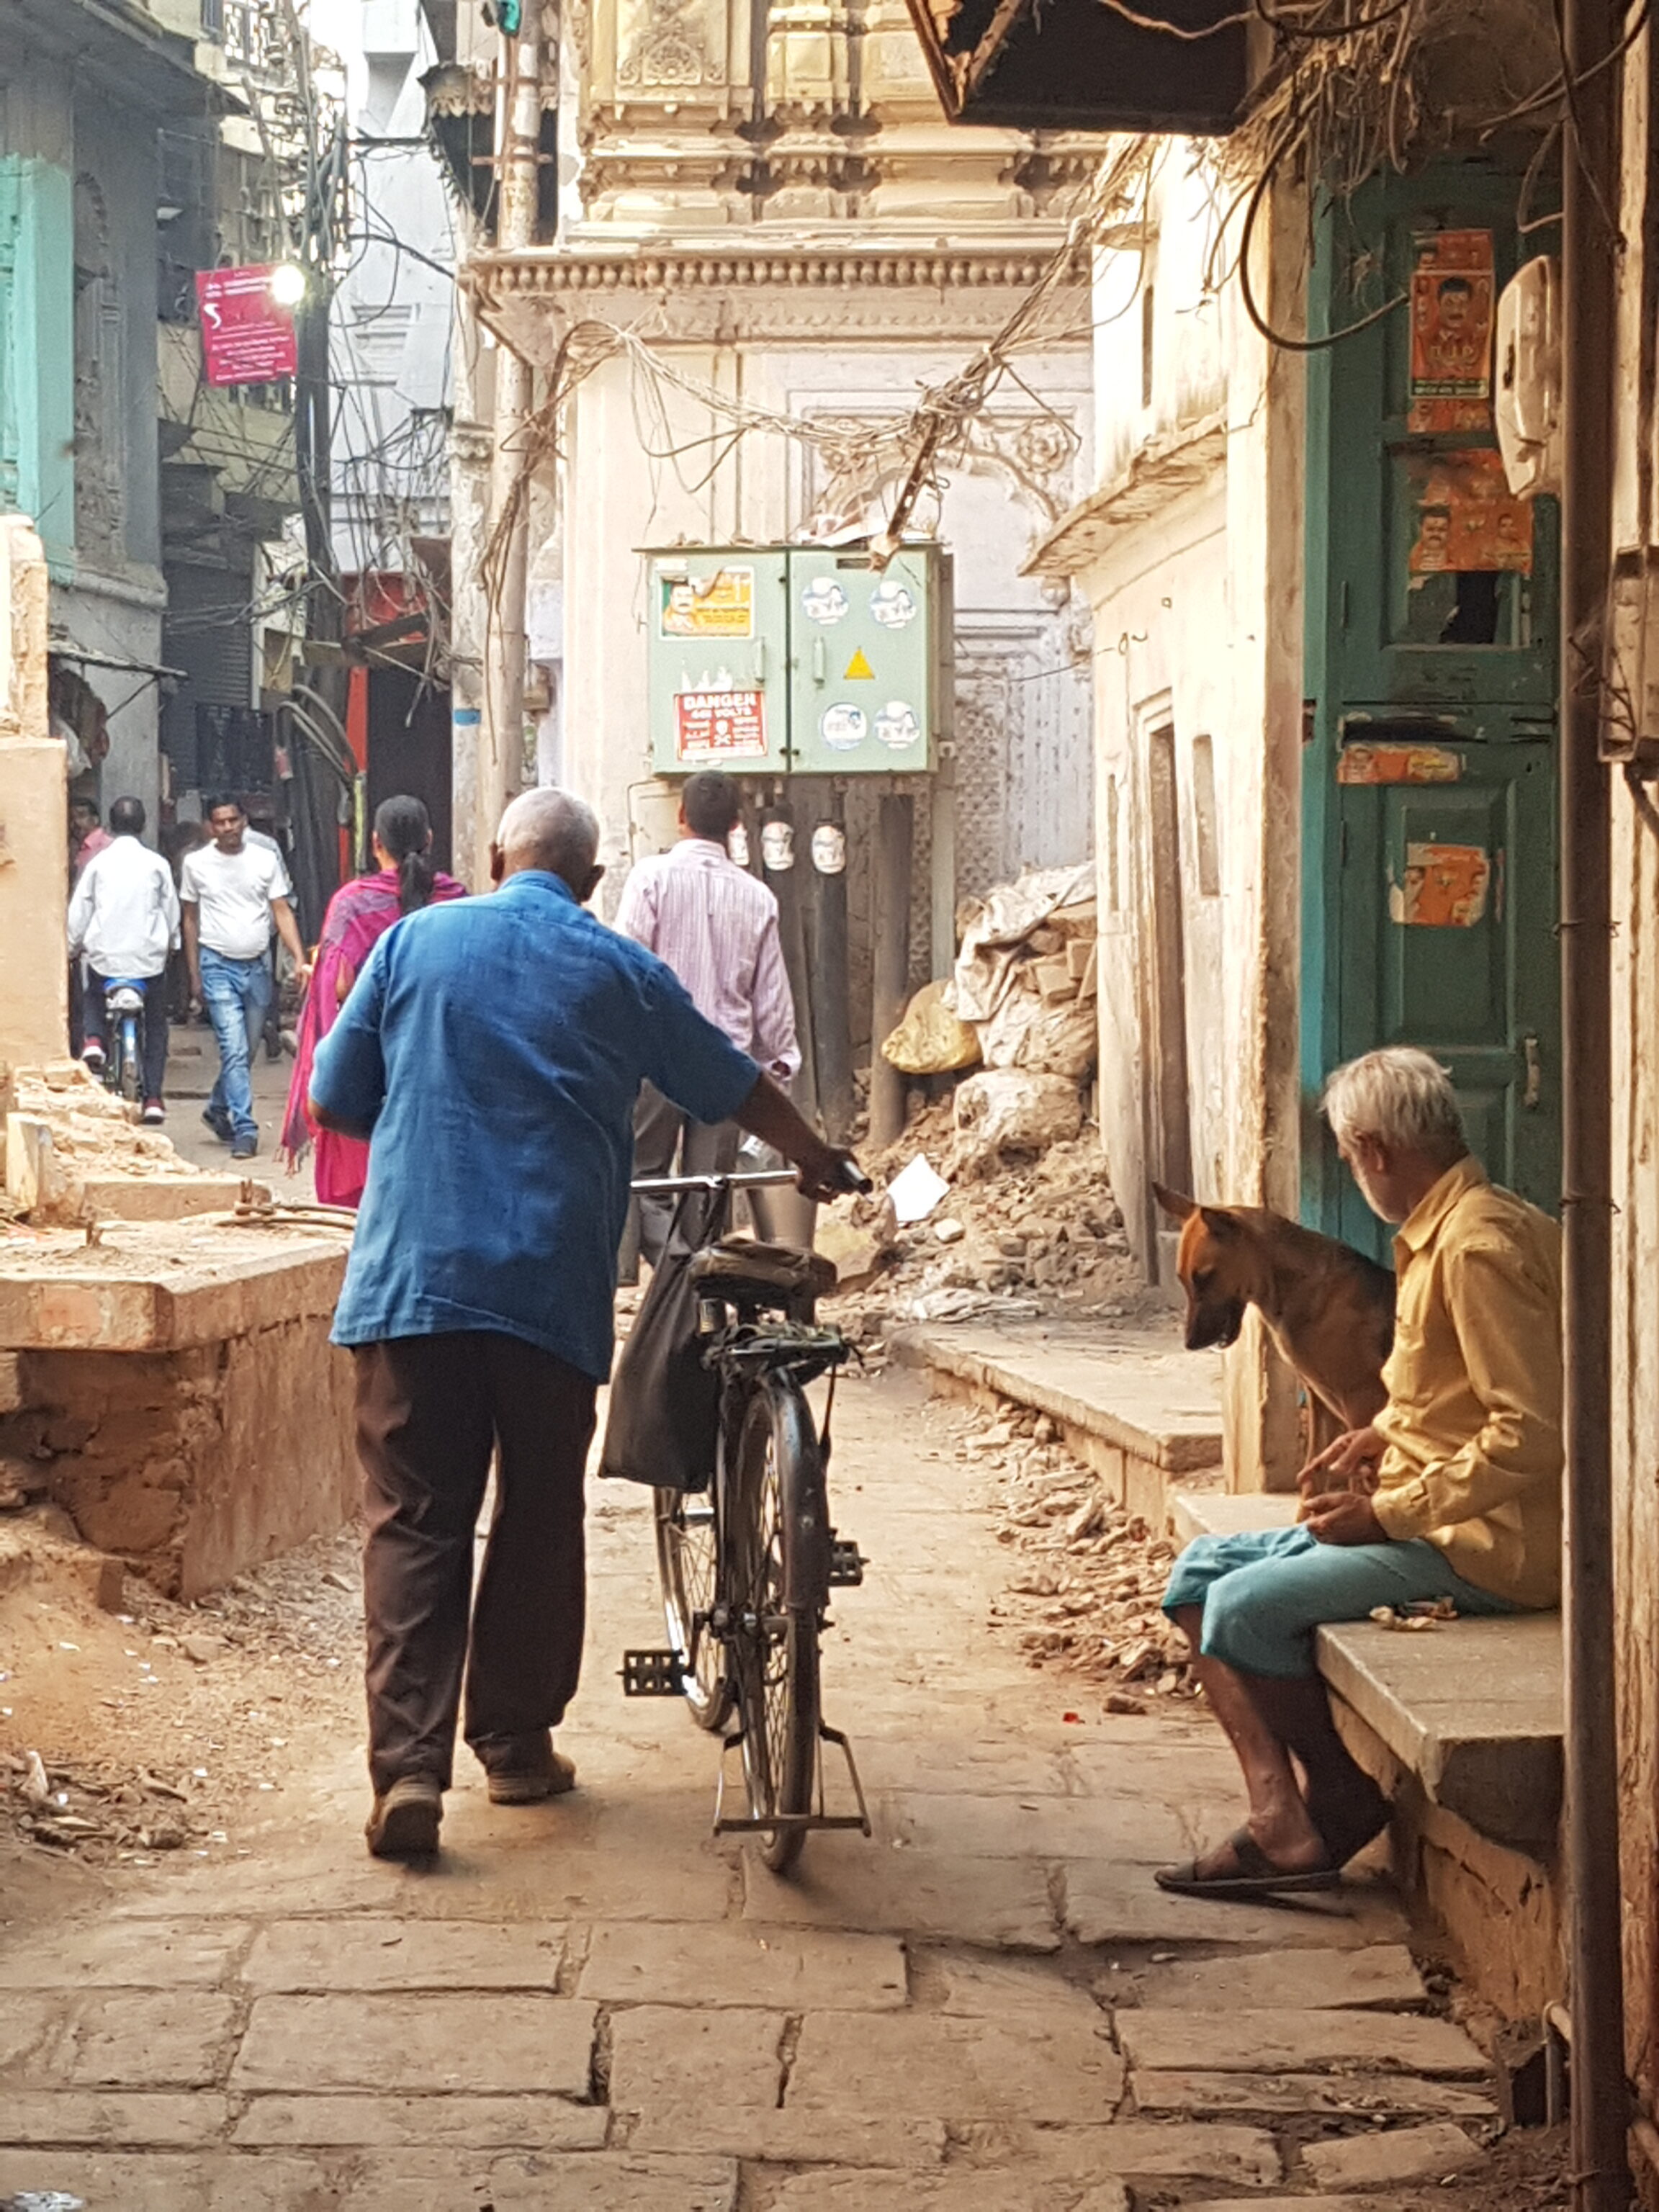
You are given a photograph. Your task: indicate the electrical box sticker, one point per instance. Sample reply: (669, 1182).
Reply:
(1398, 764)
(824, 601)
(892, 606)
(897, 726)
(1445, 887)
(720, 605)
(857, 669)
(720, 726)
(843, 727)
(1467, 518)
(1452, 305)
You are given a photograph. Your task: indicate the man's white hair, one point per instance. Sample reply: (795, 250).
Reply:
(1400, 1097)
(551, 828)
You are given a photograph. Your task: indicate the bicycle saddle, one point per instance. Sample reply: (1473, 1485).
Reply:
(736, 1263)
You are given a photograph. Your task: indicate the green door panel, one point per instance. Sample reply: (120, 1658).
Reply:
(1448, 924)
(1428, 906)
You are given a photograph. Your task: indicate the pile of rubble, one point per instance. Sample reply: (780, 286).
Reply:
(70, 1141)
(1044, 1236)
(1086, 1578)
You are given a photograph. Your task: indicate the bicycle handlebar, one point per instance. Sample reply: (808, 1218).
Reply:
(853, 1179)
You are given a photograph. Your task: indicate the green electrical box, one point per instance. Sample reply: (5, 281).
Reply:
(773, 659)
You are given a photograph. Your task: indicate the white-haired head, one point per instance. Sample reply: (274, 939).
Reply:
(1401, 1097)
(552, 829)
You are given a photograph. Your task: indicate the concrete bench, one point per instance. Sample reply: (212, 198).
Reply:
(1473, 1709)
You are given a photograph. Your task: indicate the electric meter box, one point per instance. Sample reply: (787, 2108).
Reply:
(770, 659)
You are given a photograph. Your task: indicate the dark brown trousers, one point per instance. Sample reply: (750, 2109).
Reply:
(431, 1410)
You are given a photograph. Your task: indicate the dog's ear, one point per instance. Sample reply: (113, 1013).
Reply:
(1225, 1227)
(1172, 1202)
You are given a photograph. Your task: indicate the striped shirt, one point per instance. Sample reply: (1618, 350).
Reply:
(716, 926)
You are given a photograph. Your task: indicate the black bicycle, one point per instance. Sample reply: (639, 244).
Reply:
(747, 1564)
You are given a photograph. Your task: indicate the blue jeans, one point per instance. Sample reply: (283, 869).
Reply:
(1264, 1591)
(235, 994)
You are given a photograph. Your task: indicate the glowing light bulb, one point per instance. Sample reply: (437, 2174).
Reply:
(288, 284)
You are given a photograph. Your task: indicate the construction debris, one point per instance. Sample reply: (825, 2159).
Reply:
(1085, 1576)
(1041, 1235)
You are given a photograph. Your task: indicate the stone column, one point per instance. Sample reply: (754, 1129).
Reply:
(34, 823)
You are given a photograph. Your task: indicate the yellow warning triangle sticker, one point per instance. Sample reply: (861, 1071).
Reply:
(859, 669)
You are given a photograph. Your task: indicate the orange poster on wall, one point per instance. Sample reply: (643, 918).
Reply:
(1453, 288)
(1467, 518)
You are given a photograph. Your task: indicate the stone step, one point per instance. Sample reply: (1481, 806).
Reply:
(1143, 1413)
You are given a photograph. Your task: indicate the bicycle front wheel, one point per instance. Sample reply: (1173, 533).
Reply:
(779, 1547)
(131, 1074)
(686, 1560)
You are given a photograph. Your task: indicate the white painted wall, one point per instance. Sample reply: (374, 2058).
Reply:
(392, 333)
(1189, 550)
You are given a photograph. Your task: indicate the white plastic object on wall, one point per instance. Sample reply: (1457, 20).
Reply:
(1528, 399)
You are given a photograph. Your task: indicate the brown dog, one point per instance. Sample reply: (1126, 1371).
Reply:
(1329, 1310)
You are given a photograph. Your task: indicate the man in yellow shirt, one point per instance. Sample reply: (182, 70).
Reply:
(1455, 1494)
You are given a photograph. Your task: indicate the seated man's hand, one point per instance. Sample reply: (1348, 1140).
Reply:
(1350, 1463)
(1343, 1517)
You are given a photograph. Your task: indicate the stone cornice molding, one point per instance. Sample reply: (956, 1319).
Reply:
(884, 293)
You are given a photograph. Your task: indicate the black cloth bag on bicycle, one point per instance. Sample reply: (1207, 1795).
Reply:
(663, 1425)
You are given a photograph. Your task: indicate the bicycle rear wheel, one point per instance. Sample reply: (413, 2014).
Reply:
(686, 1561)
(778, 1541)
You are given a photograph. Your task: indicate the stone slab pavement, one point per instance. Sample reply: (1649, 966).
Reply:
(595, 2005)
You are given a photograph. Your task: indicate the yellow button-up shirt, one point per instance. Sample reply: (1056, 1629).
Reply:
(1473, 1417)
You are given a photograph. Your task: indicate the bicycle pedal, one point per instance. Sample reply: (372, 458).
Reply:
(847, 1563)
(653, 1675)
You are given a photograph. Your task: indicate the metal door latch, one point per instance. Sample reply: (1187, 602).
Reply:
(1534, 1090)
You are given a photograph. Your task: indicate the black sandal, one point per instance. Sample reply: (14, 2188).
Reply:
(1345, 1834)
(1258, 1875)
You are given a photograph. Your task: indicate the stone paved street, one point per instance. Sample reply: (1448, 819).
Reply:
(595, 2004)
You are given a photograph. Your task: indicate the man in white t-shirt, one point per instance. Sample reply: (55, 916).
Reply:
(232, 893)
(123, 917)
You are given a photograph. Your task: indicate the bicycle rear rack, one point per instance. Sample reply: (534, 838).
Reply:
(725, 1825)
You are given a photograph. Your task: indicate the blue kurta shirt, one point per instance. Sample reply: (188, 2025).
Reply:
(496, 1046)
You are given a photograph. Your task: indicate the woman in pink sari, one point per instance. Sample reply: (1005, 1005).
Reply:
(358, 915)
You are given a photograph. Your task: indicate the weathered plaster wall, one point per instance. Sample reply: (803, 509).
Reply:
(33, 861)
(1636, 1154)
(1190, 550)
(193, 1466)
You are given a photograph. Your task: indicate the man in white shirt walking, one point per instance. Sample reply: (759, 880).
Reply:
(233, 891)
(124, 918)
(716, 926)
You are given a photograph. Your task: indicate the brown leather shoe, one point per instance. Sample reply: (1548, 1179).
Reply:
(525, 1772)
(405, 1820)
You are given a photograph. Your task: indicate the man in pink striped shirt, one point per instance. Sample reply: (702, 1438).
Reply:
(716, 926)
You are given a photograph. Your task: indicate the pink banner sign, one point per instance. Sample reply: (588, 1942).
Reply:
(247, 339)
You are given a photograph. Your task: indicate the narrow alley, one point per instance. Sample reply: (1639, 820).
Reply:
(593, 2003)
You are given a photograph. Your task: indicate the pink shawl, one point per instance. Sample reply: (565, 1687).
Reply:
(359, 915)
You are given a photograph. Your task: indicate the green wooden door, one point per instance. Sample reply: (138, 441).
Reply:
(1429, 849)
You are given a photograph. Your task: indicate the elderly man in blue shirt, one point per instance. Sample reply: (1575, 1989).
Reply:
(492, 1050)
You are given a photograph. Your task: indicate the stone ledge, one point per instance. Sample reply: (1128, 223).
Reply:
(1156, 1405)
(162, 1287)
(1473, 1709)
